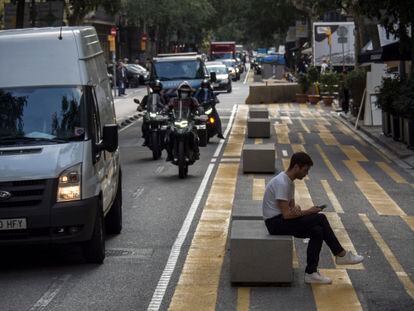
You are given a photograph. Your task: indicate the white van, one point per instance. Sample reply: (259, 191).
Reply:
(60, 175)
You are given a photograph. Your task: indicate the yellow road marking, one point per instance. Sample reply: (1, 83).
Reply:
(198, 284)
(258, 141)
(243, 299)
(357, 170)
(345, 130)
(285, 163)
(328, 163)
(388, 254)
(304, 126)
(392, 173)
(235, 143)
(286, 120)
(282, 131)
(379, 199)
(303, 107)
(353, 153)
(343, 238)
(340, 295)
(322, 128)
(302, 195)
(409, 220)
(323, 121)
(259, 185)
(284, 107)
(332, 197)
(295, 259)
(328, 139)
(301, 138)
(298, 148)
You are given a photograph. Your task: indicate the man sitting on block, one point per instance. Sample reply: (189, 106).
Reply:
(283, 217)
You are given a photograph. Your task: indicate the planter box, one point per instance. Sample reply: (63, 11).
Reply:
(328, 100)
(301, 98)
(314, 99)
(395, 127)
(386, 123)
(409, 132)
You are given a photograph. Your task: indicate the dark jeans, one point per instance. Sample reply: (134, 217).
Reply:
(315, 227)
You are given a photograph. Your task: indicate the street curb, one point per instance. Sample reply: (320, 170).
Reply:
(128, 120)
(377, 144)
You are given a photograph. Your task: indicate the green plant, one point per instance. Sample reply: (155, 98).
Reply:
(387, 94)
(329, 82)
(403, 104)
(304, 83)
(355, 82)
(313, 74)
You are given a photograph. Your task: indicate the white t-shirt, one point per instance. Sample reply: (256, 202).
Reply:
(281, 187)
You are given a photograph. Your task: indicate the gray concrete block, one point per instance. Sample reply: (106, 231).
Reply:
(258, 127)
(258, 257)
(249, 210)
(262, 113)
(259, 158)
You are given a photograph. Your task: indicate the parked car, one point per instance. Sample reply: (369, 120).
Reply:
(223, 78)
(136, 75)
(233, 68)
(60, 179)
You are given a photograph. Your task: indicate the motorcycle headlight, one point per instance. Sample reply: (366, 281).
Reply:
(152, 114)
(208, 111)
(181, 124)
(237, 70)
(69, 188)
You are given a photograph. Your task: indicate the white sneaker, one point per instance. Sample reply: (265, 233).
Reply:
(316, 278)
(349, 259)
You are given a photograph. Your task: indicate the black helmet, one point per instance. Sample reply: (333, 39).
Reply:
(156, 86)
(184, 87)
(205, 84)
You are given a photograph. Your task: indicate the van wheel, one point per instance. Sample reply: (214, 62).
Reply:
(113, 220)
(94, 249)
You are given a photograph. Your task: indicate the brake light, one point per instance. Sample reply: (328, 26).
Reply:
(212, 120)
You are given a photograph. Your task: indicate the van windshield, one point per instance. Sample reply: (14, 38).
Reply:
(42, 114)
(179, 70)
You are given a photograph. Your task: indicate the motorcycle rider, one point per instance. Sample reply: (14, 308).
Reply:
(205, 94)
(187, 101)
(156, 87)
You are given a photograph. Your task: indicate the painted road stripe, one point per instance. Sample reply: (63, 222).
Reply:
(379, 199)
(409, 220)
(328, 139)
(165, 278)
(51, 293)
(286, 120)
(353, 153)
(340, 295)
(301, 138)
(235, 143)
(389, 256)
(243, 299)
(282, 133)
(392, 173)
(358, 171)
(259, 185)
(332, 197)
(285, 153)
(247, 76)
(285, 163)
(302, 195)
(343, 238)
(200, 277)
(328, 163)
(321, 128)
(258, 141)
(298, 148)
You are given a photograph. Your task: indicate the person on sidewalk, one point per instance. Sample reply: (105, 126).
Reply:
(121, 78)
(284, 217)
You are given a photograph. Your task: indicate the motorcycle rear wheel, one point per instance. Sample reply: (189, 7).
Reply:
(182, 164)
(155, 146)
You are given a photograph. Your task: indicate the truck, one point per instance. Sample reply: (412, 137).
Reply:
(222, 50)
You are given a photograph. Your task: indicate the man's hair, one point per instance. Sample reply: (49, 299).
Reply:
(301, 159)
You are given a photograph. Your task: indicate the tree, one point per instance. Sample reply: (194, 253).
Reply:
(77, 10)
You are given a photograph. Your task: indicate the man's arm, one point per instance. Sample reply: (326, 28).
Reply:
(291, 211)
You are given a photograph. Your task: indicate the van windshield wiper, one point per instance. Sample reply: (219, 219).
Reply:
(22, 139)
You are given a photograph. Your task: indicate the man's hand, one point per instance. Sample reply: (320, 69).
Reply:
(297, 210)
(314, 210)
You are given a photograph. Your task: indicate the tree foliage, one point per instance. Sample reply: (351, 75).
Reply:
(77, 10)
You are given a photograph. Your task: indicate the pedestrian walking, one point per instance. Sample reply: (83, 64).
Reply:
(284, 217)
(121, 78)
(324, 66)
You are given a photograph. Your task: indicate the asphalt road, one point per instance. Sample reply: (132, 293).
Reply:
(155, 205)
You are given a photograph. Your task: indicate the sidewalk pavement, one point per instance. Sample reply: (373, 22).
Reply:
(394, 149)
(126, 108)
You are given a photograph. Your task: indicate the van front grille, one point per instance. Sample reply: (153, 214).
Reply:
(27, 193)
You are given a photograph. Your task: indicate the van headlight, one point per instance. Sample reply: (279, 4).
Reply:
(69, 188)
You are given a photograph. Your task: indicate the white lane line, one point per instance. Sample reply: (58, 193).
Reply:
(51, 293)
(129, 125)
(137, 193)
(247, 76)
(285, 153)
(163, 282)
(226, 132)
(159, 169)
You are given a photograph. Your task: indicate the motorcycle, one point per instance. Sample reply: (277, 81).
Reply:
(157, 125)
(211, 124)
(182, 131)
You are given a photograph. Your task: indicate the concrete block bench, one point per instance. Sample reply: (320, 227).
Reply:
(258, 127)
(249, 210)
(259, 158)
(258, 257)
(259, 113)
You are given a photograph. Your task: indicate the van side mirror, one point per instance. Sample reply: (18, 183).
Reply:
(213, 77)
(110, 138)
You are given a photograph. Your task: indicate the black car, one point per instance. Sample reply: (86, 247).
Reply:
(136, 75)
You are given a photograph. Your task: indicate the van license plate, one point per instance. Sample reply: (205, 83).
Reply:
(13, 224)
